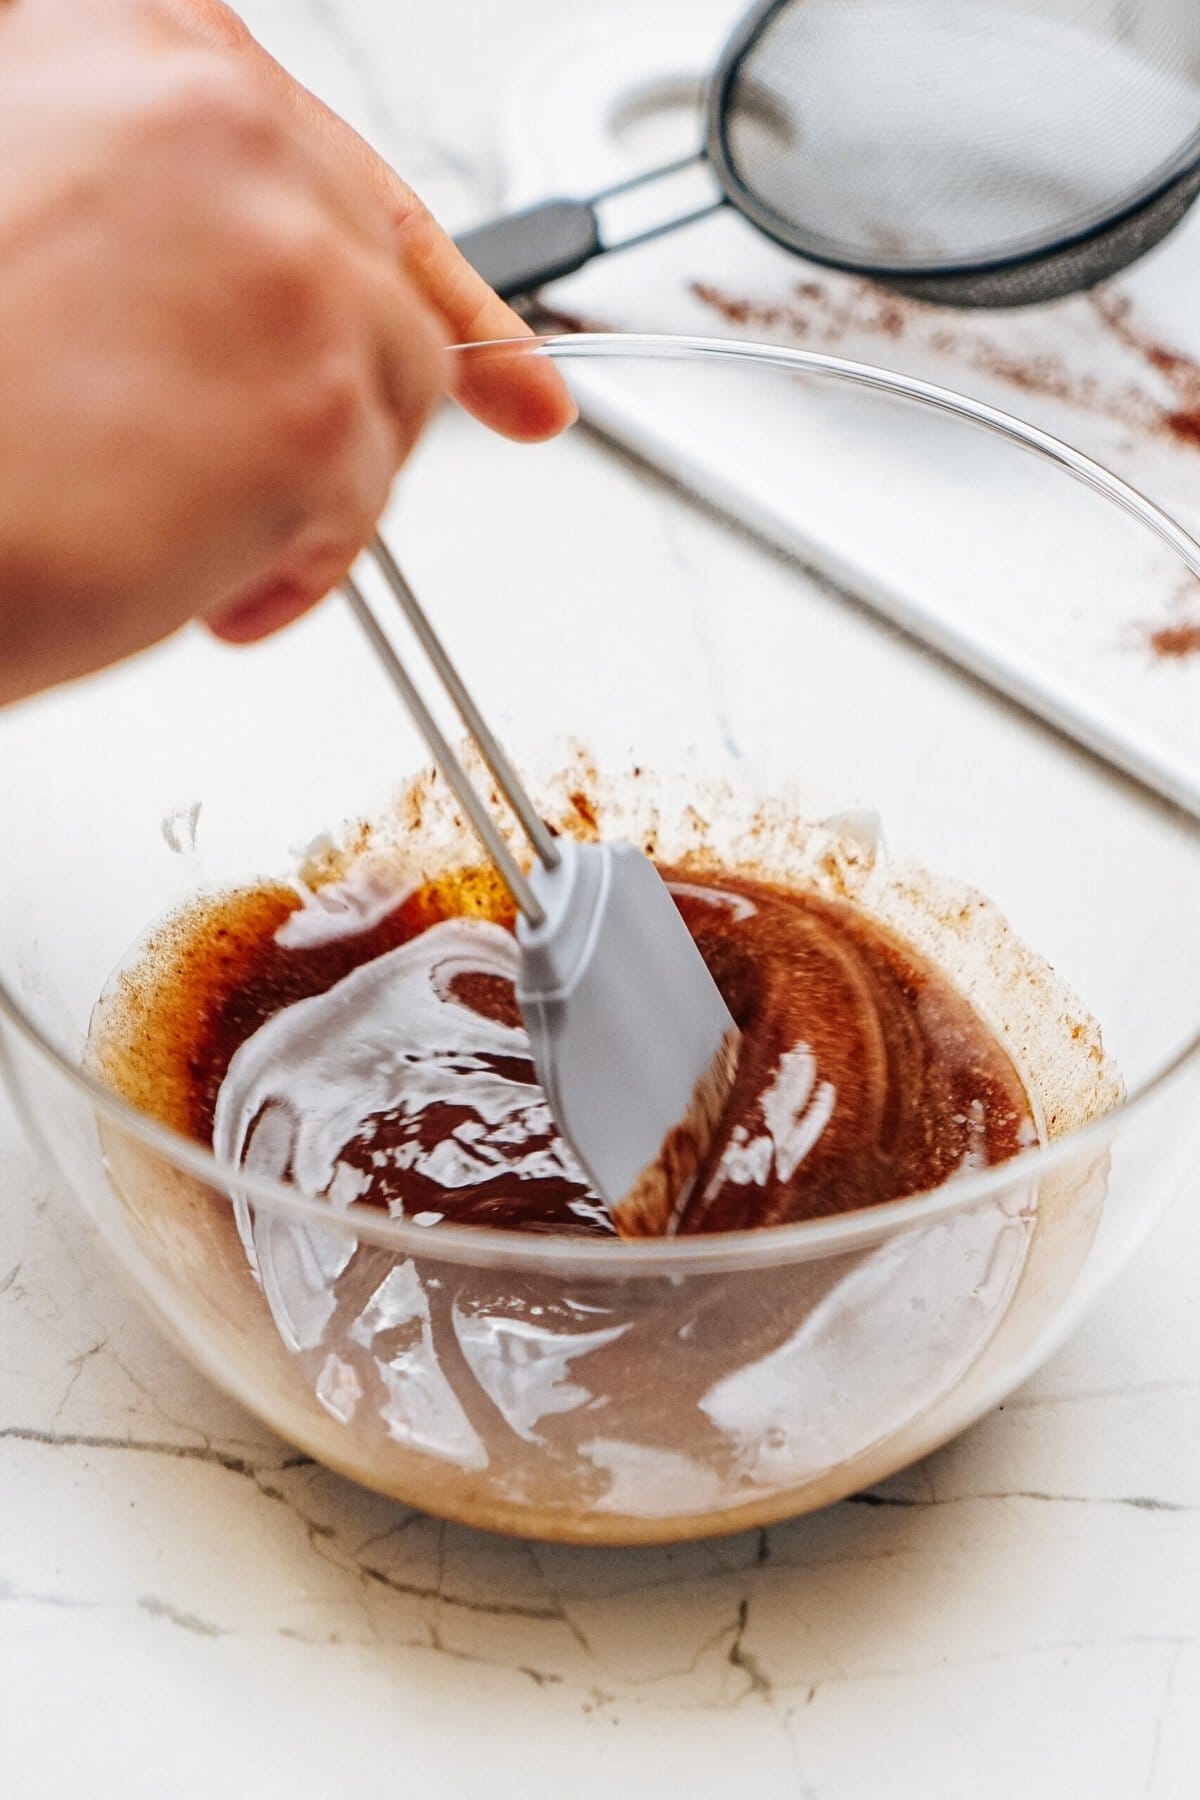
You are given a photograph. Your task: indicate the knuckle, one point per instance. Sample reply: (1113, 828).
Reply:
(415, 228)
(285, 273)
(324, 415)
(206, 21)
(210, 106)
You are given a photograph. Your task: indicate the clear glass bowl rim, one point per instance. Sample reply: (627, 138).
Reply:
(726, 1251)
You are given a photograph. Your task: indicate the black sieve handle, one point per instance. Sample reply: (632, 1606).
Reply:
(517, 254)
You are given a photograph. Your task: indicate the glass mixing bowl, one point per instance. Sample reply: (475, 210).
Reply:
(595, 1390)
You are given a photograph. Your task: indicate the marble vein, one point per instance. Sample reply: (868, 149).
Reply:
(742, 1659)
(1141, 1502)
(175, 1615)
(203, 1453)
(77, 1365)
(700, 600)
(1168, 1688)
(416, 152)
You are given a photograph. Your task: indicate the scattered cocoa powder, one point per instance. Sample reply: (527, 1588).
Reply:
(824, 313)
(585, 811)
(1175, 642)
(1184, 425)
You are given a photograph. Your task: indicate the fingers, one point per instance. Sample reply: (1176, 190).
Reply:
(406, 345)
(414, 365)
(267, 608)
(523, 397)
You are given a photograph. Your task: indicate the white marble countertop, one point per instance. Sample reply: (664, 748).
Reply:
(189, 1608)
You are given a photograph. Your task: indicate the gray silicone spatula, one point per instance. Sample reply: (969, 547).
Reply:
(630, 1036)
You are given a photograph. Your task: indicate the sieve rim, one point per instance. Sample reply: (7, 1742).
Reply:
(1018, 255)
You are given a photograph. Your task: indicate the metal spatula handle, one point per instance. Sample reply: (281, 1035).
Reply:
(493, 753)
(632, 1042)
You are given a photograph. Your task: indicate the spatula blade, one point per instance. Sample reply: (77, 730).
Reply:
(632, 1040)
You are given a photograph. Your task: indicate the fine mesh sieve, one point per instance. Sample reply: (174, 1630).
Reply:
(978, 155)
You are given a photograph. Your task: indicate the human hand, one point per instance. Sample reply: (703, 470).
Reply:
(222, 326)
(523, 399)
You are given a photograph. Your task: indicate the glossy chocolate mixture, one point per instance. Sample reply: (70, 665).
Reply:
(387, 1065)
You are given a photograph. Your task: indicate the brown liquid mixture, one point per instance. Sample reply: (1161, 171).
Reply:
(863, 1075)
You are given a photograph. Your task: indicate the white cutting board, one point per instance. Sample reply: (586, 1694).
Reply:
(608, 97)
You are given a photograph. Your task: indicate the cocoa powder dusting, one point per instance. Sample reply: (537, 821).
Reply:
(1185, 426)
(823, 313)
(1182, 373)
(1175, 642)
(585, 812)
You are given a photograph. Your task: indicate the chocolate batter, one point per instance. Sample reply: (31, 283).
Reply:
(388, 1066)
